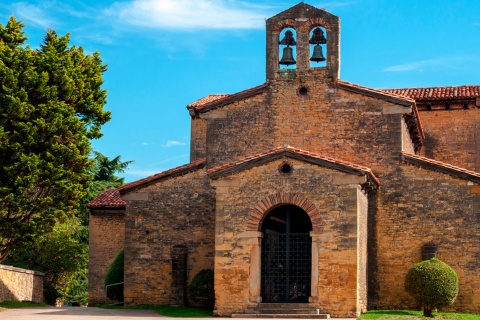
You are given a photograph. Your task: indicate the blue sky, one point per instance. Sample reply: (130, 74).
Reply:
(164, 54)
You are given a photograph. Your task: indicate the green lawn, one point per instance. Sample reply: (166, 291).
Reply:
(18, 304)
(416, 315)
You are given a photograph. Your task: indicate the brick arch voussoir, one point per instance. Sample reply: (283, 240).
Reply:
(313, 23)
(270, 202)
(287, 23)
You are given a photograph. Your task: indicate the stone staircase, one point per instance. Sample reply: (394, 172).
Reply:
(283, 311)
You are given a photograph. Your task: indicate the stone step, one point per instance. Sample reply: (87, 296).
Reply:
(282, 316)
(282, 311)
(284, 305)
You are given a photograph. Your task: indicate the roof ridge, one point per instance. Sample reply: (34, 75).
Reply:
(447, 167)
(192, 166)
(279, 150)
(376, 91)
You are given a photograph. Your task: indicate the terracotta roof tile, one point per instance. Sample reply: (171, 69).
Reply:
(109, 198)
(192, 166)
(208, 99)
(383, 94)
(295, 153)
(217, 100)
(441, 167)
(438, 93)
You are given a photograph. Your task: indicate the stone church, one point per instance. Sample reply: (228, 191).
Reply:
(306, 189)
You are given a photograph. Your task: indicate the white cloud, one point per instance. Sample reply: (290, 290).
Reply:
(172, 143)
(190, 14)
(476, 24)
(415, 66)
(32, 14)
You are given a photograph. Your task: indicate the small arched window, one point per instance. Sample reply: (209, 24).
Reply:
(287, 49)
(318, 47)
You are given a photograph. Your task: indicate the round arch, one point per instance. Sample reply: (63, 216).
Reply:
(264, 206)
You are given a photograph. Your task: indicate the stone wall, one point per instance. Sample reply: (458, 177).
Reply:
(341, 206)
(427, 206)
(327, 120)
(453, 136)
(164, 222)
(106, 239)
(20, 285)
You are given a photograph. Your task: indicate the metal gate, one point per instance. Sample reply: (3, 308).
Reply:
(286, 265)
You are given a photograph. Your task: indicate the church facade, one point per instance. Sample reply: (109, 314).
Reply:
(306, 189)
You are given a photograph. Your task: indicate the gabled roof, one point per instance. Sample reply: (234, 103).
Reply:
(380, 94)
(438, 93)
(108, 198)
(441, 167)
(175, 172)
(211, 102)
(291, 152)
(293, 12)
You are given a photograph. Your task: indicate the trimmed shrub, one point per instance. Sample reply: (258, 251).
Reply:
(115, 275)
(201, 289)
(433, 284)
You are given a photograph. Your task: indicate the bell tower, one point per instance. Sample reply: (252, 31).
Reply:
(301, 39)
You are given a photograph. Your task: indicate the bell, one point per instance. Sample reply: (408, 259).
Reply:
(318, 37)
(288, 39)
(287, 58)
(317, 55)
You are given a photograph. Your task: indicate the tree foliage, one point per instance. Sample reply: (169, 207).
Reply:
(433, 284)
(51, 105)
(60, 254)
(201, 290)
(115, 276)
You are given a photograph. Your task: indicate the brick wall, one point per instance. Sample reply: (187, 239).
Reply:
(20, 285)
(106, 239)
(161, 219)
(453, 136)
(327, 120)
(426, 206)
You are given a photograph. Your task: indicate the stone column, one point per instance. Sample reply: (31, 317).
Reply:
(315, 248)
(253, 239)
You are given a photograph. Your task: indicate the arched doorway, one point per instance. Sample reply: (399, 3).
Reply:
(286, 255)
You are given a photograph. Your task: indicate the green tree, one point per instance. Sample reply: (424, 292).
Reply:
(59, 254)
(433, 284)
(51, 105)
(114, 277)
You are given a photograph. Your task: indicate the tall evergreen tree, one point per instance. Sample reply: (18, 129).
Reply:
(51, 105)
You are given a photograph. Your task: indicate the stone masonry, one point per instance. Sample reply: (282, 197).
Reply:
(380, 174)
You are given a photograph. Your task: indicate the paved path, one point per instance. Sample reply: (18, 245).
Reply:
(81, 313)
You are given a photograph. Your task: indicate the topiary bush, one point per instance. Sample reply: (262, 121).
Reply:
(201, 289)
(115, 275)
(433, 284)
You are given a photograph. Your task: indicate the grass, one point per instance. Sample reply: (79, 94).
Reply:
(416, 315)
(169, 311)
(20, 304)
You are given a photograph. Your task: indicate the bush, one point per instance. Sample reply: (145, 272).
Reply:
(201, 289)
(433, 284)
(115, 275)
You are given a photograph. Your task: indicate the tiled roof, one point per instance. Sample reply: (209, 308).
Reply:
(181, 170)
(441, 167)
(438, 93)
(109, 198)
(218, 100)
(295, 153)
(208, 99)
(381, 94)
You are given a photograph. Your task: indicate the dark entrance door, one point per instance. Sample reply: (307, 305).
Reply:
(286, 255)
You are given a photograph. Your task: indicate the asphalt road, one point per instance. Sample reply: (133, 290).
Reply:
(81, 313)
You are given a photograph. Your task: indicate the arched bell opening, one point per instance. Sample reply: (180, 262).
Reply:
(286, 258)
(318, 47)
(287, 49)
